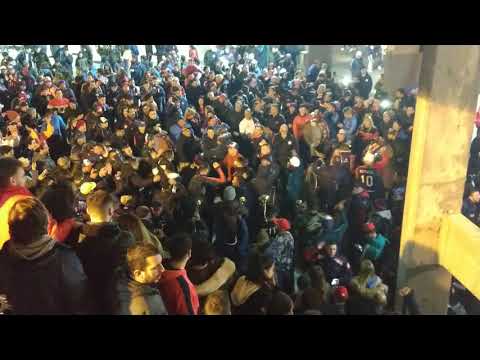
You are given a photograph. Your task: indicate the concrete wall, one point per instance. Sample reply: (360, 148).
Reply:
(402, 67)
(446, 103)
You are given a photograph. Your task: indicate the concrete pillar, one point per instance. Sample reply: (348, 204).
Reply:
(402, 66)
(446, 103)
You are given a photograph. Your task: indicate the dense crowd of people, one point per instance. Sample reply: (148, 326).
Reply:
(233, 184)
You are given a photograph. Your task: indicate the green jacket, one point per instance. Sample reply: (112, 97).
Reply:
(374, 248)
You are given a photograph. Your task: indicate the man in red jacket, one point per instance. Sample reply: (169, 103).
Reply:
(12, 189)
(178, 292)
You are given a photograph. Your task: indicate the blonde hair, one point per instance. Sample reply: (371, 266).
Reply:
(368, 117)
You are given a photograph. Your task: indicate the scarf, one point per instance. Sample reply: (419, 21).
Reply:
(33, 250)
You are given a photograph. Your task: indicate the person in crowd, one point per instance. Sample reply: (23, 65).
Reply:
(102, 245)
(134, 291)
(282, 251)
(60, 201)
(470, 206)
(121, 159)
(253, 292)
(39, 275)
(12, 189)
(368, 292)
(209, 272)
(178, 292)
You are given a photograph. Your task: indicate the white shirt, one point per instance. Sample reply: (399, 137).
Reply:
(246, 126)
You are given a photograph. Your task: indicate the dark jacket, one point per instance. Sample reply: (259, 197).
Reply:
(54, 283)
(364, 86)
(336, 268)
(274, 122)
(248, 298)
(133, 298)
(282, 148)
(102, 249)
(232, 239)
(266, 178)
(187, 148)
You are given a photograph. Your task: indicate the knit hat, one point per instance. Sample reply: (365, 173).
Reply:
(229, 193)
(282, 223)
(369, 227)
(340, 294)
(87, 187)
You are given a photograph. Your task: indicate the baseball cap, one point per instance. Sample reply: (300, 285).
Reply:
(282, 223)
(340, 294)
(369, 227)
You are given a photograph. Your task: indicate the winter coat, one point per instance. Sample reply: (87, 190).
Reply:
(102, 249)
(294, 186)
(231, 239)
(336, 268)
(283, 148)
(215, 276)
(178, 293)
(186, 148)
(364, 86)
(350, 126)
(298, 125)
(282, 251)
(249, 298)
(266, 178)
(374, 248)
(130, 297)
(53, 283)
(274, 123)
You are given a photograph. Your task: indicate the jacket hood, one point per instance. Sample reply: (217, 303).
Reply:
(33, 250)
(242, 291)
(218, 279)
(106, 230)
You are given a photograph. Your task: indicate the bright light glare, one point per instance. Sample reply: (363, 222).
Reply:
(385, 104)
(346, 80)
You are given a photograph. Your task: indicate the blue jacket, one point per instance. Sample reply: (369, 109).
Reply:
(175, 131)
(331, 119)
(295, 183)
(58, 125)
(350, 126)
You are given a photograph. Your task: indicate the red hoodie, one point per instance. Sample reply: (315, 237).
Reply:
(178, 293)
(8, 197)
